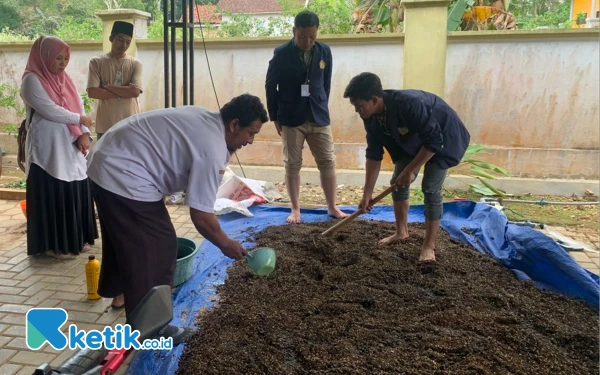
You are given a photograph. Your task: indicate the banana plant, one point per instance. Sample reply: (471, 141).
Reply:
(386, 13)
(379, 15)
(483, 171)
(456, 11)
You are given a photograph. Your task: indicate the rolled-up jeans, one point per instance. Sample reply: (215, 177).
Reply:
(432, 183)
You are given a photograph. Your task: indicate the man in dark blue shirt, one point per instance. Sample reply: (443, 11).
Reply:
(297, 85)
(416, 128)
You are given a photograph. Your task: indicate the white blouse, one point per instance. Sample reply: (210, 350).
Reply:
(49, 143)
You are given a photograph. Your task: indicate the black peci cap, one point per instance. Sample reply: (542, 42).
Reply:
(120, 27)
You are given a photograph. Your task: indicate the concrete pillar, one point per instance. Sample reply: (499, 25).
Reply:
(425, 35)
(138, 18)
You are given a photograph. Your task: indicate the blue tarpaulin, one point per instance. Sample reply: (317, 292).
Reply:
(530, 254)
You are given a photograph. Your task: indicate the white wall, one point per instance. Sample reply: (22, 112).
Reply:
(533, 98)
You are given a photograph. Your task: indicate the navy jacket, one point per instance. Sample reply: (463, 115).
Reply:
(417, 119)
(287, 73)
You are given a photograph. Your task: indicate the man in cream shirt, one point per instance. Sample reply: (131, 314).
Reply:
(115, 79)
(143, 158)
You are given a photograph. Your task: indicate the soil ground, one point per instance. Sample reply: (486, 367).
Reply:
(346, 305)
(585, 217)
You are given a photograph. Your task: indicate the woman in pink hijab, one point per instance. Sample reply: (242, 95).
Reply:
(60, 213)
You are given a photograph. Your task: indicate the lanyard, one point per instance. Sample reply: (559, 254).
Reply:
(307, 66)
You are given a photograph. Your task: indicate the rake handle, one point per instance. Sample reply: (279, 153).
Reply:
(350, 218)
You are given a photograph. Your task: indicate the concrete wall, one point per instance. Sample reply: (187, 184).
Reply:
(535, 100)
(239, 68)
(533, 97)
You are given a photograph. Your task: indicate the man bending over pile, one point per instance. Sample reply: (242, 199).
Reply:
(141, 159)
(417, 129)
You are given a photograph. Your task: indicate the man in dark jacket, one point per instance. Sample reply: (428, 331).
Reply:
(297, 87)
(416, 128)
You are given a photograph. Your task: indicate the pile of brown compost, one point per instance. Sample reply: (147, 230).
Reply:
(347, 305)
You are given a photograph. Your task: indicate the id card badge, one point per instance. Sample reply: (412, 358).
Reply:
(304, 90)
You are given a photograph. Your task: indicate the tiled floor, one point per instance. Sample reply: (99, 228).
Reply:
(27, 282)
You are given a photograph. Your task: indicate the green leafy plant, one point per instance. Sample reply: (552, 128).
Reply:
(9, 99)
(42, 24)
(245, 25)
(483, 171)
(72, 29)
(9, 15)
(19, 184)
(156, 28)
(556, 17)
(87, 102)
(8, 35)
(386, 14)
(335, 16)
(456, 10)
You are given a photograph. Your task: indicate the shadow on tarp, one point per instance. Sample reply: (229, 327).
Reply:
(528, 253)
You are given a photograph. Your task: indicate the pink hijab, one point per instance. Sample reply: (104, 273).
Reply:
(60, 88)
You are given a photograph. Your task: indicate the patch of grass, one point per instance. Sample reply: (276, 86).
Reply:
(19, 184)
(11, 129)
(558, 215)
(581, 216)
(415, 197)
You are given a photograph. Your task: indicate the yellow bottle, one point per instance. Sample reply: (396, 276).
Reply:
(92, 276)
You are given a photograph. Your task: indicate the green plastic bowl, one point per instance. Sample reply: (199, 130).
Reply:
(262, 260)
(186, 249)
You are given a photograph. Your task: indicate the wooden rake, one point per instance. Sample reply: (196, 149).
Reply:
(350, 218)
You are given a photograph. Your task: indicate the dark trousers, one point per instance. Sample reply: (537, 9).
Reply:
(139, 246)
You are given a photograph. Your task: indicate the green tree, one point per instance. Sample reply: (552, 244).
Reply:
(156, 28)
(526, 9)
(79, 9)
(135, 4)
(42, 24)
(86, 29)
(552, 18)
(9, 16)
(335, 16)
(244, 25)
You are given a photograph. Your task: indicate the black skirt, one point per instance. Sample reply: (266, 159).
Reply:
(139, 246)
(60, 214)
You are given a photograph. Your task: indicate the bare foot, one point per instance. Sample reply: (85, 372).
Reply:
(87, 247)
(393, 238)
(294, 217)
(427, 254)
(58, 255)
(336, 212)
(118, 302)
